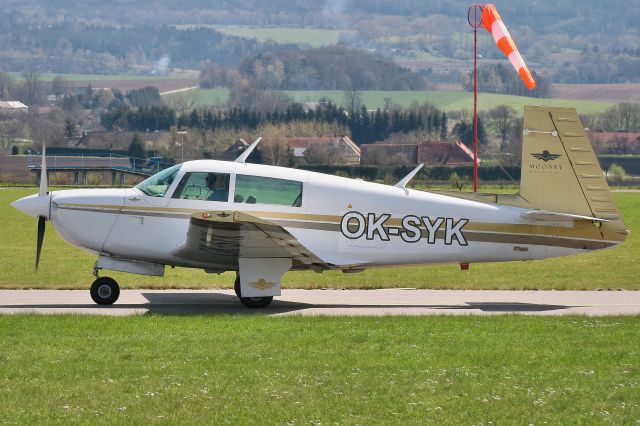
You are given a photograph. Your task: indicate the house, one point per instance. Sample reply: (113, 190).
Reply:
(12, 107)
(342, 148)
(445, 153)
(347, 151)
(623, 142)
(117, 141)
(432, 153)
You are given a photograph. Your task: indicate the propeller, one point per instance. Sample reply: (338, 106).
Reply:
(43, 191)
(41, 228)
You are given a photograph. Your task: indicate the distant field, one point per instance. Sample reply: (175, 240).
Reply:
(245, 370)
(447, 100)
(450, 100)
(611, 93)
(314, 37)
(63, 266)
(100, 77)
(205, 97)
(125, 82)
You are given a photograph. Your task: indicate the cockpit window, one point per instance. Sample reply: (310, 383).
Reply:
(203, 186)
(265, 190)
(158, 184)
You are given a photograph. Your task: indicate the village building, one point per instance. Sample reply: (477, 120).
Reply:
(12, 107)
(615, 142)
(342, 150)
(346, 151)
(432, 153)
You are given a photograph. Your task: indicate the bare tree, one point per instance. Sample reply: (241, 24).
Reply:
(183, 101)
(318, 153)
(353, 99)
(6, 85)
(32, 86)
(275, 147)
(501, 123)
(59, 86)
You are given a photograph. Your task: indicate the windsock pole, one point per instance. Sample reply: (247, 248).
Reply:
(474, 16)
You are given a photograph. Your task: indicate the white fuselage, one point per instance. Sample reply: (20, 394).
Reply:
(347, 223)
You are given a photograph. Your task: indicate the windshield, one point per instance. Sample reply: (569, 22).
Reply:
(157, 185)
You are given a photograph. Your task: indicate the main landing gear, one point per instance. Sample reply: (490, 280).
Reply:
(251, 302)
(105, 291)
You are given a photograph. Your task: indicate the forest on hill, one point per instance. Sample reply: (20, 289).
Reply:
(565, 41)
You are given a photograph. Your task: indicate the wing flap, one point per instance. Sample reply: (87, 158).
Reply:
(224, 234)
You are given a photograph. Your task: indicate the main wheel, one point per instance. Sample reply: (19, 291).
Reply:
(105, 291)
(251, 302)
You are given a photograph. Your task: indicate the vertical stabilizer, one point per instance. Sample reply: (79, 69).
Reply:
(560, 171)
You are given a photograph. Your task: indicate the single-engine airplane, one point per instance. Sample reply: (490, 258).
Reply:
(262, 221)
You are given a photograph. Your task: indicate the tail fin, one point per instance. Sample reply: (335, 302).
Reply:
(560, 171)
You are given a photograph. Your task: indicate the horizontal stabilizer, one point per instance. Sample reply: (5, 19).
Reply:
(557, 216)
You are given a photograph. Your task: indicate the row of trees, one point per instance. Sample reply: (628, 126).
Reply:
(502, 79)
(365, 126)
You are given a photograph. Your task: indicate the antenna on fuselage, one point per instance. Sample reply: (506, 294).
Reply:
(245, 154)
(405, 180)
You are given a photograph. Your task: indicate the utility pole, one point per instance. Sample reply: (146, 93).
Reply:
(181, 133)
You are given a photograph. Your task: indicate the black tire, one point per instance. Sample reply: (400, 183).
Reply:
(105, 291)
(251, 302)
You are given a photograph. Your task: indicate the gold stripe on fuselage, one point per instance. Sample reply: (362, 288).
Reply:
(580, 235)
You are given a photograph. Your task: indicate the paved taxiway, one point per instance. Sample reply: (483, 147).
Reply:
(330, 302)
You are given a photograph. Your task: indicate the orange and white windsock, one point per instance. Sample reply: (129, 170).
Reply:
(492, 21)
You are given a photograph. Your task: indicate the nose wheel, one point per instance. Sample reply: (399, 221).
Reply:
(105, 291)
(251, 302)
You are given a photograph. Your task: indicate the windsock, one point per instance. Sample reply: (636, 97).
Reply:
(492, 21)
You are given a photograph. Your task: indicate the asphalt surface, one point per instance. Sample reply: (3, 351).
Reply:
(329, 302)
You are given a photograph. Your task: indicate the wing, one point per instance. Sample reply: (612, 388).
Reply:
(232, 234)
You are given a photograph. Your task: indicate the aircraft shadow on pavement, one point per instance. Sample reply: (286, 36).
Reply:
(181, 303)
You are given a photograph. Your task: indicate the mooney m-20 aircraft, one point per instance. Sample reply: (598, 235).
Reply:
(262, 221)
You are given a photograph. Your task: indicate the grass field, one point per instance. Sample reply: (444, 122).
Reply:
(63, 266)
(613, 93)
(297, 370)
(447, 100)
(315, 37)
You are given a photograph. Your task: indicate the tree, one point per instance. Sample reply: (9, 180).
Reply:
(353, 100)
(182, 102)
(137, 153)
(6, 85)
(458, 181)
(616, 172)
(69, 128)
(59, 86)
(444, 126)
(145, 97)
(275, 147)
(501, 122)
(318, 153)
(32, 86)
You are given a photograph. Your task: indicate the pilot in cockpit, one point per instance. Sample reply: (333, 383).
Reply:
(218, 191)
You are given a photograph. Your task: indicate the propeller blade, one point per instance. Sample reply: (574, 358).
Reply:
(44, 184)
(41, 228)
